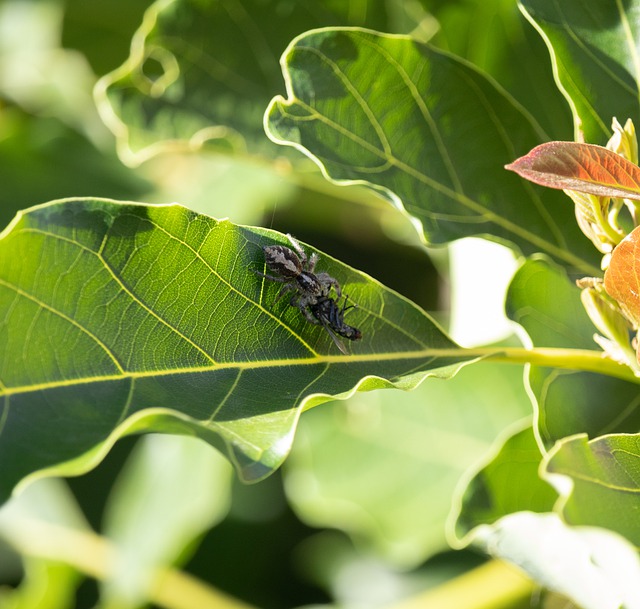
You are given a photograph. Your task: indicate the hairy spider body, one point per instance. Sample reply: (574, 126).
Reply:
(311, 290)
(296, 272)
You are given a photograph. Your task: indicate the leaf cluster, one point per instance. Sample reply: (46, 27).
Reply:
(120, 318)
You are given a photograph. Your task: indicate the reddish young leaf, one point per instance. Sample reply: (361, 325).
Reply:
(622, 278)
(582, 167)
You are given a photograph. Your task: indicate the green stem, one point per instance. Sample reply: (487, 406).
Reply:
(96, 557)
(568, 359)
(493, 585)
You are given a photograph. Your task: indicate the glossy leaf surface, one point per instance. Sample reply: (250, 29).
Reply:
(604, 476)
(582, 167)
(120, 318)
(593, 49)
(394, 114)
(547, 305)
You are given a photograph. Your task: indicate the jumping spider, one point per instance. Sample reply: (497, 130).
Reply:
(311, 290)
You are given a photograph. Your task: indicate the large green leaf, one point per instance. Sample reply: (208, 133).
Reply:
(495, 36)
(385, 471)
(547, 305)
(204, 70)
(604, 481)
(119, 318)
(594, 51)
(425, 129)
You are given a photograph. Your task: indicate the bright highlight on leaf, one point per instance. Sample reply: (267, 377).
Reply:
(582, 167)
(120, 318)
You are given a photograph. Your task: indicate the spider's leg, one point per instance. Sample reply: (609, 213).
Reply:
(311, 264)
(309, 317)
(272, 277)
(299, 249)
(283, 290)
(326, 280)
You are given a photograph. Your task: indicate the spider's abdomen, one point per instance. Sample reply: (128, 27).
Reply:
(282, 260)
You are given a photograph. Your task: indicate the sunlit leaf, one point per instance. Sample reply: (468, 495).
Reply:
(385, 470)
(622, 278)
(600, 481)
(547, 305)
(582, 167)
(593, 50)
(120, 318)
(394, 114)
(593, 567)
(509, 50)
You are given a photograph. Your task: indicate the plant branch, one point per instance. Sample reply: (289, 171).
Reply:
(568, 359)
(96, 556)
(493, 585)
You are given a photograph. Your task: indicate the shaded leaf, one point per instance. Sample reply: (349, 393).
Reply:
(394, 114)
(548, 306)
(123, 318)
(600, 482)
(593, 50)
(621, 279)
(204, 70)
(507, 482)
(593, 567)
(385, 470)
(64, 162)
(582, 167)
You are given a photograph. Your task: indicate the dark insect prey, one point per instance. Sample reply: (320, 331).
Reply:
(331, 317)
(311, 290)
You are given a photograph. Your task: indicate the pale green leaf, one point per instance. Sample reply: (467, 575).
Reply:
(593, 567)
(506, 482)
(384, 470)
(204, 70)
(47, 584)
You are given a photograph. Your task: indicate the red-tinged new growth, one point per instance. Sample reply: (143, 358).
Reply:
(604, 184)
(600, 181)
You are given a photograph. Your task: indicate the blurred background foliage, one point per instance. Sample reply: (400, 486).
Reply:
(357, 515)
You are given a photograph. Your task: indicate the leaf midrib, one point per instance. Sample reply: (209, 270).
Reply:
(423, 354)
